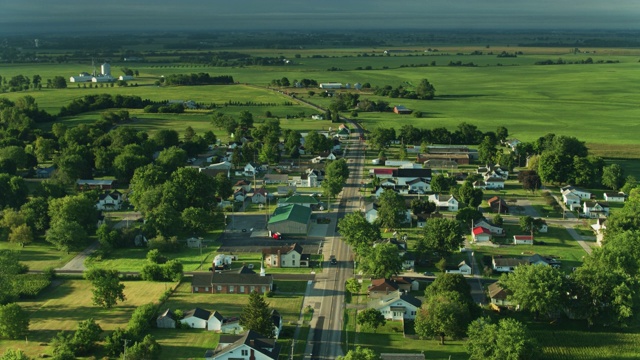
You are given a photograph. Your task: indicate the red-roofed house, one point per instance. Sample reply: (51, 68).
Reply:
(481, 234)
(522, 240)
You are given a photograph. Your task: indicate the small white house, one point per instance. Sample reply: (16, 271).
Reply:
(397, 306)
(501, 264)
(196, 318)
(494, 183)
(109, 201)
(522, 240)
(219, 323)
(250, 168)
(419, 185)
(462, 269)
(444, 202)
(614, 197)
(570, 198)
(595, 209)
(583, 194)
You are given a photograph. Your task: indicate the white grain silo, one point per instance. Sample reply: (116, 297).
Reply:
(106, 69)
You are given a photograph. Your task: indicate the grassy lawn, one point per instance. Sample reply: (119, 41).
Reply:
(231, 305)
(62, 307)
(39, 255)
(557, 243)
(185, 343)
(196, 342)
(290, 286)
(133, 259)
(389, 338)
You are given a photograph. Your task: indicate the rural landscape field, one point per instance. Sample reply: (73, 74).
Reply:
(156, 116)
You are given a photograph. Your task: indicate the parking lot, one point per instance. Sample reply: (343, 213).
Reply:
(247, 233)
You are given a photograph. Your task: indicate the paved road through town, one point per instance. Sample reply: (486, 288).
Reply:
(326, 333)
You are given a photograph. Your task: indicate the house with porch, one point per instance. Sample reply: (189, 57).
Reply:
(444, 202)
(499, 295)
(397, 306)
(286, 256)
(595, 209)
(109, 201)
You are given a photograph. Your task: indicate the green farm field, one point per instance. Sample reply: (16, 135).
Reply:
(61, 308)
(594, 102)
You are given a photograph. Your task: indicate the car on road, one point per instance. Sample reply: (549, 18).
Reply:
(332, 260)
(428, 273)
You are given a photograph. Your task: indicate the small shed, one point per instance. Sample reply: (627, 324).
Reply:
(399, 109)
(194, 243)
(166, 320)
(522, 240)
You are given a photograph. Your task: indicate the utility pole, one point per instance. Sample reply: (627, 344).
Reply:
(124, 356)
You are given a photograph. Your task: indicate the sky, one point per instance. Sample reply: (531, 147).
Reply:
(77, 16)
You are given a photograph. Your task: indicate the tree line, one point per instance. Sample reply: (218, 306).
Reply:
(198, 79)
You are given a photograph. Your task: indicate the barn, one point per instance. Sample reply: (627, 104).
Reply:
(291, 219)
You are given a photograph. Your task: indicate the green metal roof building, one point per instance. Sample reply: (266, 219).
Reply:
(304, 200)
(290, 220)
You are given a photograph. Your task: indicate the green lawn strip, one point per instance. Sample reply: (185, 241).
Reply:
(349, 329)
(390, 339)
(39, 255)
(185, 343)
(301, 344)
(290, 286)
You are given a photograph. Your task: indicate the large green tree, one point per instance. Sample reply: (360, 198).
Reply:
(14, 321)
(391, 209)
(107, 289)
(357, 231)
(371, 318)
(613, 176)
(86, 337)
(256, 315)
(381, 261)
(506, 340)
(440, 235)
(66, 235)
(539, 289)
(443, 315)
(425, 90)
(359, 353)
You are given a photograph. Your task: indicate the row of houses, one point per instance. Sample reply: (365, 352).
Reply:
(199, 318)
